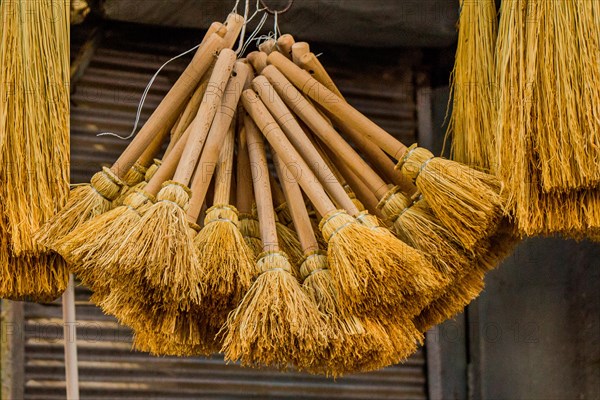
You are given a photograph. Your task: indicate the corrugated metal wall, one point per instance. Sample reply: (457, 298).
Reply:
(105, 99)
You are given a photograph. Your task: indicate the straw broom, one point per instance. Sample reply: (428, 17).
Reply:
(354, 344)
(374, 272)
(248, 224)
(159, 252)
(88, 201)
(468, 202)
(227, 263)
(90, 248)
(228, 283)
(472, 86)
(33, 119)
(276, 321)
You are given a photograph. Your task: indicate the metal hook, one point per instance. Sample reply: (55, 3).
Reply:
(274, 12)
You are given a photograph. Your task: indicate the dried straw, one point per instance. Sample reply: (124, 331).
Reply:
(472, 86)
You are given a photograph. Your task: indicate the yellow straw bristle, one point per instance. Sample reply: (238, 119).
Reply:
(276, 322)
(375, 273)
(472, 87)
(90, 248)
(467, 202)
(226, 262)
(250, 230)
(85, 202)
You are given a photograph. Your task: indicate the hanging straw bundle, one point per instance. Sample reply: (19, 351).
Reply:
(472, 86)
(34, 143)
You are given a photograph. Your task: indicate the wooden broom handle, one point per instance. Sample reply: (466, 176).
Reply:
(298, 50)
(321, 127)
(348, 115)
(284, 45)
(244, 195)
(224, 173)
(268, 46)
(310, 63)
(277, 191)
(258, 59)
(190, 111)
(169, 165)
(206, 113)
(170, 107)
(234, 24)
(262, 189)
(288, 154)
(302, 143)
(296, 206)
(218, 131)
(362, 192)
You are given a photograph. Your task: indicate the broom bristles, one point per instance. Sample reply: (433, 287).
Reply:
(276, 323)
(467, 202)
(90, 248)
(375, 273)
(473, 116)
(250, 230)
(85, 202)
(419, 228)
(160, 251)
(226, 262)
(42, 278)
(453, 302)
(353, 343)
(290, 245)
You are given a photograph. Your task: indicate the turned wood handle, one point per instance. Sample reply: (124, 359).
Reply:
(277, 191)
(206, 113)
(214, 142)
(296, 206)
(347, 114)
(150, 153)
(310, 63)
(262, 188)
(224, 173)
(284, 45)
(302, 143)
(170, 107)
(258, 60)
(215, 27)
(244, 197)
(268, 46)
(168, 166)
(190, 111)
(298, 50)
(288, 154)
(362, 192)
(323, 129)
(234, 24)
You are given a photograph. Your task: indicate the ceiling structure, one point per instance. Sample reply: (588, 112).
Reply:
(368, 23)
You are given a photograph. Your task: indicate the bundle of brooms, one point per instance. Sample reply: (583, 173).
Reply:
(34, 144)
(193, 275)
(527, 105)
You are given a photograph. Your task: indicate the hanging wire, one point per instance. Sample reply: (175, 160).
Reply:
(145, 94)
